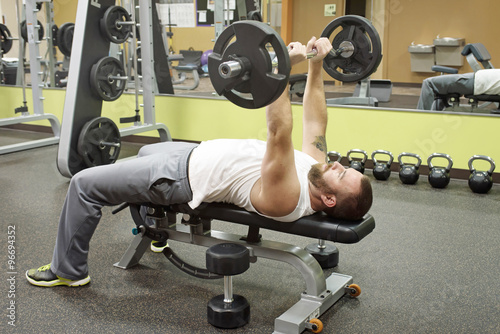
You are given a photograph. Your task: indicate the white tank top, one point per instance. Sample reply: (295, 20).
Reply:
(225, 170)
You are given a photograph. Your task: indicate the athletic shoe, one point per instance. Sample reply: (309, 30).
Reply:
(43, 276)
(158, 246)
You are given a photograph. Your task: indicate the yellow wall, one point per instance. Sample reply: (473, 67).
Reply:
(459, 135)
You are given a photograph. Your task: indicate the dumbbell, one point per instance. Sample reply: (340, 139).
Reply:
(481, 181)
(439, 177)
(382, 170)
(358, 165)
(228, 310)
(408, 173)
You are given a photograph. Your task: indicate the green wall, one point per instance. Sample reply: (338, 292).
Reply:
(459, 135)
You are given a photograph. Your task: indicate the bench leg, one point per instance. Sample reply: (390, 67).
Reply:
(134, 252)
(309, 307)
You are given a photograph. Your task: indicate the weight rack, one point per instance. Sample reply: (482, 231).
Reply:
(36, 85)
(81, 105)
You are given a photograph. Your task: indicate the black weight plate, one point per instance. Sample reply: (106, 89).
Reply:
(90, 142)
(5, 36)
(260, 86)
(112, 31)
(65, 38)
(102, 85)
(367, 53)
(24, 31)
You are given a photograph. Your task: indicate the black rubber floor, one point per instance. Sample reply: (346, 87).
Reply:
(430, 266)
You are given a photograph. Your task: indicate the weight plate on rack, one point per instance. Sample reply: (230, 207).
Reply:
(24, 31)
(6, 38)
(64, 38)
(99, 142)
(111, 29)
(108, 79)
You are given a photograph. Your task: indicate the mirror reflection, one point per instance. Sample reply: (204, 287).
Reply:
(416, 41)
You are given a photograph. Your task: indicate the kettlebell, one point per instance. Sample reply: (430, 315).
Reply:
(439, 177)
(334, 156)
(358, 165)
(481, 182)
(382, 170)
(408, 173)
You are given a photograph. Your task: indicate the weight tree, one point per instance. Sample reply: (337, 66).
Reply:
(82, 119)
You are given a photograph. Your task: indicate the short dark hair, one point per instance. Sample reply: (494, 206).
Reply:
(353, 207)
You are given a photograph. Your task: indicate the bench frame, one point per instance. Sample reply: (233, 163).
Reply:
(320, 294)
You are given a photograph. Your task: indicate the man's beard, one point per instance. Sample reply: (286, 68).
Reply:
(315, 176)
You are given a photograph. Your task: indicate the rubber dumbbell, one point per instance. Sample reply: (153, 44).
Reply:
(228, 310)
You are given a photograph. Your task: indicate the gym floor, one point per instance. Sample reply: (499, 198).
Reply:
(430, 266)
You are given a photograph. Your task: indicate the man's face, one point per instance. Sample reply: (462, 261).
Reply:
(335, 179)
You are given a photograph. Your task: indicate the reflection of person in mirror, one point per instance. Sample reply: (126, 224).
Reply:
(482, 82)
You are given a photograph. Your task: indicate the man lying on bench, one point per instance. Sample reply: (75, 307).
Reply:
(270, 178)
(480, 83)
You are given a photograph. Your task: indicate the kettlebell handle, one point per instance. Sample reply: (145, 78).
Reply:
(406, 154)
(440, 155)
(391, 157)
(355, 150)
(334, 154)
(482, 157)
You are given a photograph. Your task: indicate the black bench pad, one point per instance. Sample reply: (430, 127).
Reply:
(318, 225)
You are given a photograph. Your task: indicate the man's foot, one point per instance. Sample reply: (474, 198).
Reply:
(158, 246)
(43, 276)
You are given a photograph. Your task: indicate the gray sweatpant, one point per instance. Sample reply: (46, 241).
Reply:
(444, 84)
(158, 175)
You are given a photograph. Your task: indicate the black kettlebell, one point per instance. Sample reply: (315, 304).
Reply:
(439, 177)
(382, 170)
(334, 156)
(358, 165)
(481, 182)
(408, 173)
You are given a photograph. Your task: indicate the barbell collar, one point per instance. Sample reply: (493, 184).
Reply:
(234, 68)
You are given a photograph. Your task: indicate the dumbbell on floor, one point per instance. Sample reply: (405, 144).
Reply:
(228, 310)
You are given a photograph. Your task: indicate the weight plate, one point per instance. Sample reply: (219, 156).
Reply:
(99, 142)
(103, 78)
(65, 38)
(111, 29)
(259, 86)
(358, 64)
(24, 31)
(6, 38)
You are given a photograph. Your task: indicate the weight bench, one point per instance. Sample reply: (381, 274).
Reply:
(195, 228)
(476, 55)
(190, 63)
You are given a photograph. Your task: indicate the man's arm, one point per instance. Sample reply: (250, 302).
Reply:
(277, 192)
(315, 114)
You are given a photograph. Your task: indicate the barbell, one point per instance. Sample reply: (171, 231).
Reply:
(241, 66)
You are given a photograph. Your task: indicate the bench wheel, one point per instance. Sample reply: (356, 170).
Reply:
(354, 290)
(317, 325)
